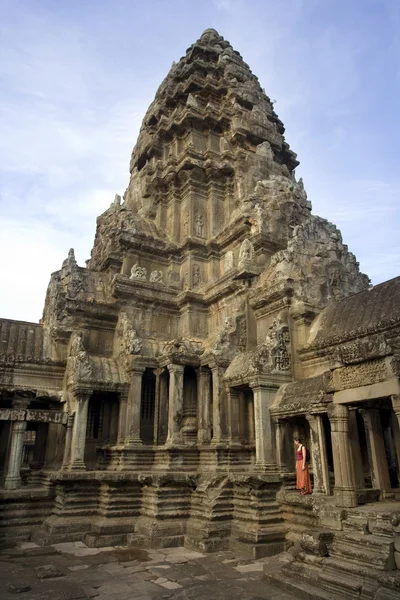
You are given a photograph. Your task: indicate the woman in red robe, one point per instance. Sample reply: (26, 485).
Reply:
(303, 482)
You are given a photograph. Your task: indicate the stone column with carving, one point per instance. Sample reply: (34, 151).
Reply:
(318, 455)
(122, 419)
(376, 450)
(78, 442)
(344, 492)
(220, 409)
(134, 405)
(263, 400)
(280, 434)
(68, 441)
(204, 405)
(175, 408)
(12, 479)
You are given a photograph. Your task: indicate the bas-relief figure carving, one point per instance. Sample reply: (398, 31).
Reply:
(228, 261)
(138, 272)
(292, 342)
(246, 253)
(156, 277)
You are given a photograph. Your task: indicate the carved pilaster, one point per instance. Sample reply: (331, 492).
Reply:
(12, 480)
(175, 409)
(220, 409)
(204, 405)
(280, 445)
(77, 462)
(133, 406)
(68, 441)
(263, 400)
(318, 455)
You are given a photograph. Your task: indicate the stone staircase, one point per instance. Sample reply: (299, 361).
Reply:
(352, 563)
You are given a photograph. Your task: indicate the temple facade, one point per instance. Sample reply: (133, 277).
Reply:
(157, 400)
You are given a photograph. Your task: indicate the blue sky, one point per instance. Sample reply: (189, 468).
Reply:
(76, 78)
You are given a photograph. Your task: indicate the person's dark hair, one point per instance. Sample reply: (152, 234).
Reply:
(298, 439)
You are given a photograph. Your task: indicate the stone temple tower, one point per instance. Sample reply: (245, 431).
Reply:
(164, 355)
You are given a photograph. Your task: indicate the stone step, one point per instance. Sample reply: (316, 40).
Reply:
(371, 550)
(305, 588)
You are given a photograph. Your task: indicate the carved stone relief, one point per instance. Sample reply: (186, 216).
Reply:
(228, 261)
(138, 272)
(156, 277)
(246, 253)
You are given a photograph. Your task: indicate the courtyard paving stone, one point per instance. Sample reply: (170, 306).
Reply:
(73, 571)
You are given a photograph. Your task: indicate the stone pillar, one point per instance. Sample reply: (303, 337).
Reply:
(133, 406)
(355, 450)
(220, 409)
(68, 441)
(233, 401)
(12, 480)
(203, 407)
(318, 455)
(175, 409)
(122, 419)
(263, 399)
(78, 442)
(376, 450)
(345, 492)
(280, 434)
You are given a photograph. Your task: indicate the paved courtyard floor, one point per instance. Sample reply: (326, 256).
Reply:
(72, 571)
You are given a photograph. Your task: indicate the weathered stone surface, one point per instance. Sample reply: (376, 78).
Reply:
(217, 318)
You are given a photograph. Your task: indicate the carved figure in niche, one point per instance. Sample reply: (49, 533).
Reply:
(156, 277)
(138, 272)
(196, 275)
(199, 224)
(334, 282)
(131, 342)
(228, 261)
(253, 226)
(246, 252)
(80, 366)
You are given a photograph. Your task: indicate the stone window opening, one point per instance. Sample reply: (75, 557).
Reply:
(163, 407)
(246, 417)
(102, 424)
(189, 421)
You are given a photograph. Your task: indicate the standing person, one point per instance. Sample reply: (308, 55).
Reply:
(303, 482)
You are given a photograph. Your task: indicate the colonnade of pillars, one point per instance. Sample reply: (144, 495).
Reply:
(347, 463)
(217, 415)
